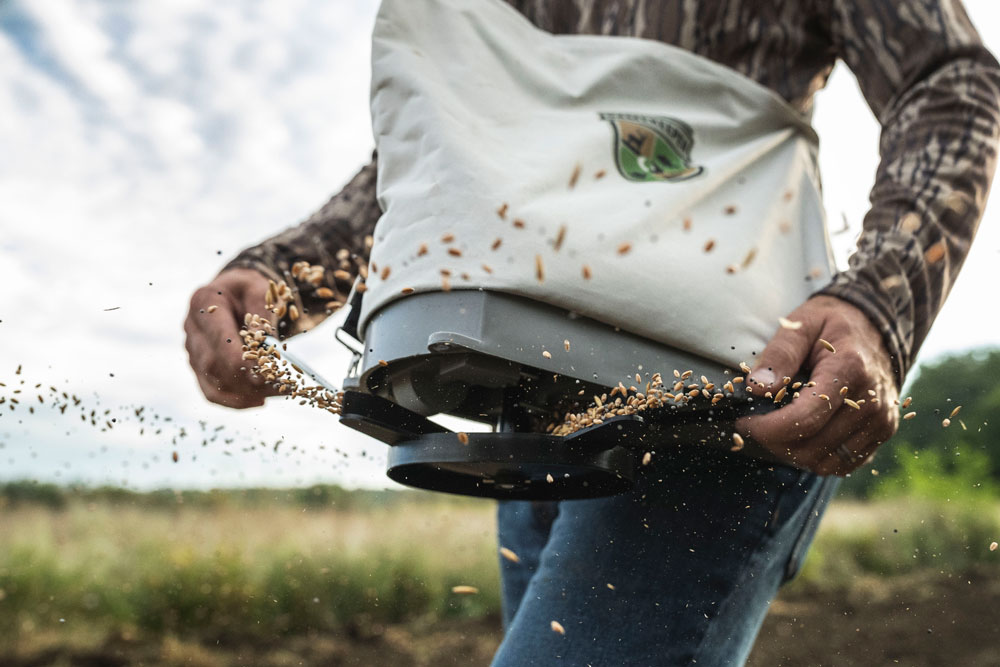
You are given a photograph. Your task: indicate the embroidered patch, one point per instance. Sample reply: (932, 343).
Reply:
(652, 148)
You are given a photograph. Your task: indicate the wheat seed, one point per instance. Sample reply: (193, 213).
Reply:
(447, 238)
(496, 244)
(945, 423)
(853, 404)
(909, 415)
(557, 627)
(325, 293)
(463, 437)
(586, 272)
(422, 250)
(827, 345)
(843, 390)
(906, 402)
(624, 248)
(509, 555)
(454, 252)
(539, 268)
(406, 290)
(502, 211)
(560, 237)
(954, 412)
(549, 478)
(737, 443)
(574, 176)
(546, 354)
(518, 223)
(464, 590)
(709, 245)
(993, 546)
(789, 324)
(566, 344)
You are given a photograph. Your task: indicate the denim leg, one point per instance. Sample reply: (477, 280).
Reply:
(523, 527)
(679, 571)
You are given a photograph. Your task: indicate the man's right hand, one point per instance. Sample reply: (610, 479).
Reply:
(214, 346)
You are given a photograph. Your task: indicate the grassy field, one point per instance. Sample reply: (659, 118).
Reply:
(183, 578)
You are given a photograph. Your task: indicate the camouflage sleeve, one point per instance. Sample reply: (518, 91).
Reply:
(935, 90)
(336, 237)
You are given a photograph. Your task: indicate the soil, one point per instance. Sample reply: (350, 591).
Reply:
(924, 620)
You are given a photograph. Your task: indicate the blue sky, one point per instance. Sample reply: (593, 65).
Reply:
(142, 144)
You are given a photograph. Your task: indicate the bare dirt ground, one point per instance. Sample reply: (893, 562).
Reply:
(922, 620)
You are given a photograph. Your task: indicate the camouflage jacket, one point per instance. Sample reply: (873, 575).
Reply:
(923, 70)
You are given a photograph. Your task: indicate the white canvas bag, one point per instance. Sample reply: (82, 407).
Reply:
(688, 193)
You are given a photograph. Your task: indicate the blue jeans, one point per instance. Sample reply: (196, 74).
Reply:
(679, 571)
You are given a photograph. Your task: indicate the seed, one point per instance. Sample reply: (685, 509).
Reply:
(445, 284)
(687, 224)
(909, 415)
(361, 288)
(646, 458)
(463, 437)
(502, 211)
(422, 250)
(325, 293)
(383, 362)
(935, 253)
(293, 312)
(732, 268)
(509, 555)
(519, 223)
(454, 252)
(386, 270)
(174, 457)
(599, 175)
(729, 210)
(780, 395)
(788, 195)
(853, 404)
(574, 176)
(549, 478)
(496, 243)
(566, 344)
(560, 237)
(612, 586)
(464, 590)
(487, 268)
(737, 443)
(737, 380)
(906, 402)
(789, 324)
(709, 245)
(871, 392)
(597, 399)
(786, 380)
(946, 423)
(843, 390)
(827, 345)
(406, 290)
(557, 627)
(546, 354)
(744, 367)
(796, 385)
(954, 412)
(624, 248)
(993, 546)
(824, 397)
(586, 272)
(749, 257)
(539, 268)
(729, 387)
(686, 374)
(447, 238)
(341, 274)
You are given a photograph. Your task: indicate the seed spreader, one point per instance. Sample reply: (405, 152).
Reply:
(480, 355)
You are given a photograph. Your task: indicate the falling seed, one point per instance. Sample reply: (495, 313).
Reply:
(597, 399)
(557, 627)
(749, 257)
(293, 312)
(686, 374)
(340, 274)
(211, 309)
(909, 415)
(788, 195)
(549, 478)
(174, 457)
(780, 395)
(993, 546)
(786, 380)
(843, 390)
(566, 344)
(935, 253)
(502, 211)
(487, 268)
(827, 345)
(709, 245)
(361, 288)
(422, 250)
(325, 293)
(729, 210)
(732, 268)
(612, 586)
(686, 224)
(463, 437)
(574, 176)
(546, 354)
(586, 272)
(509, 555)
(519, 223)
(824, 397)
(447, 238)
(406, 290)
(624, 248)
(445, 284)
(560, 237)
(464, 590)
(386, 270)
(744, 367)
(496, 243)
(646, 458)
(945, 423)
(789, 324)
(906, 402)
(853, 404)
(954, 412)
(599, 175)
(454, 252)
(737, 443)
(539, 268)
(383, 363)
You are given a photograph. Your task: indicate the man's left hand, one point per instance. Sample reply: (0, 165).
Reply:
(819, 430)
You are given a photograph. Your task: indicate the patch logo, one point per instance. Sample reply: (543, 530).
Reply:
(652, 148)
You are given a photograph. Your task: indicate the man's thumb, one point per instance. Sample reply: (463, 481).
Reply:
(783, 357)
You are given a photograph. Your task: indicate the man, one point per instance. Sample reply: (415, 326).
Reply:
(681, 570)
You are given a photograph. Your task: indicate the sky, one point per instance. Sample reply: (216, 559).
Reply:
(144, 144)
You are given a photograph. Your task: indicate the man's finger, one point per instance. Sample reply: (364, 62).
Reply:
(811, 451)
